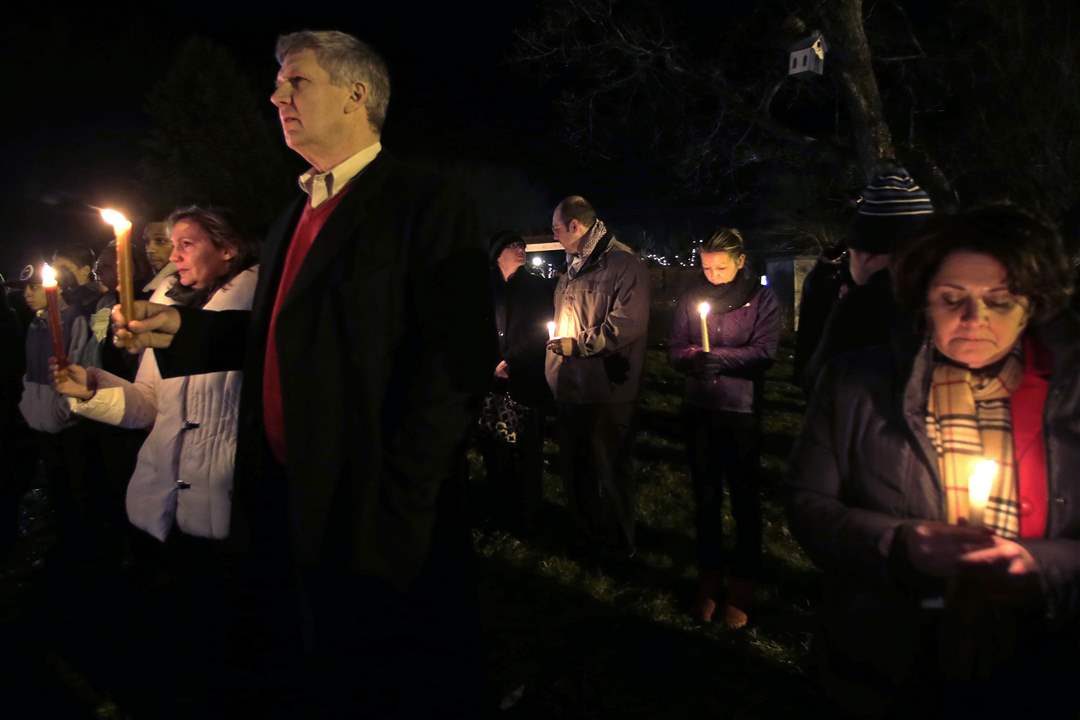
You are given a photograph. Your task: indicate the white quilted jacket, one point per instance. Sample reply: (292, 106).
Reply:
(184, 473)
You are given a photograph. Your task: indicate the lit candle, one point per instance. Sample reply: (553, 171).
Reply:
(122, 228)
(703, 310)
(551, 330)
(52, 300)
(980, 482)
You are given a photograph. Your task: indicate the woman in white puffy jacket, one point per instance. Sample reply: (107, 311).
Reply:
(184, 473)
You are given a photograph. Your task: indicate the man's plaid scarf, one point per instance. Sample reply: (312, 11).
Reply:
(968, 419)
(588, 243)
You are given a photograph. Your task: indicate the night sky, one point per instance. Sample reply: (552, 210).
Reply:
(77, 82)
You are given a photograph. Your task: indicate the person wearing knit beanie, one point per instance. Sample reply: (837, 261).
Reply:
(891, 209)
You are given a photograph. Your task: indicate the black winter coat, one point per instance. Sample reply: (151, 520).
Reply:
(386, 345)
(866, 317)
(863, 465)
(524, 305)
(820, 294)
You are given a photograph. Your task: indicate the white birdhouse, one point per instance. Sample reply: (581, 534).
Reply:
(808, 55)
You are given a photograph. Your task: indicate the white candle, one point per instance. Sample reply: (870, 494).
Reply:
(980, 482)
(703, 310)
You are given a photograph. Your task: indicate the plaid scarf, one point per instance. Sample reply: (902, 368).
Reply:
(588, 244)
(968, 419)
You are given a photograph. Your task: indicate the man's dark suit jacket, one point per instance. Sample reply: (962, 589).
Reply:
(386, 343)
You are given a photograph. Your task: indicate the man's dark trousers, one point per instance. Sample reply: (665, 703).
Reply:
(596, 455)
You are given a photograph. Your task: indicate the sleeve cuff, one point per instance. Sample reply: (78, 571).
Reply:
(107, 406)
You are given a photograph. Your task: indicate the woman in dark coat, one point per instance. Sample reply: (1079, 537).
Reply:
(524, 305)
(932, 604)
(722, 414)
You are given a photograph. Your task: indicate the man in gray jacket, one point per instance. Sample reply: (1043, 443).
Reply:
(594, 369)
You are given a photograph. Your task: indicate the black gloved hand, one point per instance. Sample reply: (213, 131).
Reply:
(706, 365)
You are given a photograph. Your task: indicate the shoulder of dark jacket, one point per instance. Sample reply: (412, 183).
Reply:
(762, 294)
(869, 367)
(1060, 335)
(413, 178)
(622, 256)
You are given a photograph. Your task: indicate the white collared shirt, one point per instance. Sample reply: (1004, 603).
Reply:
(320, 187)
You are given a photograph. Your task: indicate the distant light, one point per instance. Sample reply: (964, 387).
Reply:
(764, 279)
(538, 261)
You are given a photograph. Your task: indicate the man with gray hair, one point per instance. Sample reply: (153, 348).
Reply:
(365, 356)
(594, 370)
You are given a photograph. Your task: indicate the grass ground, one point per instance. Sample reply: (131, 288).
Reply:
(574, 639)
(565, 638)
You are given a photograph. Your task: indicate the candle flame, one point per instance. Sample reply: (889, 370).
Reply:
(551, 330)
(703, 309)
(48, 276)
(116, 219)
(981, 481)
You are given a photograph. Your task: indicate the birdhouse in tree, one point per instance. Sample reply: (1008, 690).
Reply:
(808, 55)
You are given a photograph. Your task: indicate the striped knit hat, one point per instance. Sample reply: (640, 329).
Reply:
(892, 207)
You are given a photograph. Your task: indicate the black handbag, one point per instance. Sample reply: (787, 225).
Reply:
(500, 417)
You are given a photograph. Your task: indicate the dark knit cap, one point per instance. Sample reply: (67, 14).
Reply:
(499, 241)
(891, 209)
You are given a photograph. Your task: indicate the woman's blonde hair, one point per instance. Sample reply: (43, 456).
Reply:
(727, 240)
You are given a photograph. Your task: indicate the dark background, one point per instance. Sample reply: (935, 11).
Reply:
(78, 81)
(650, 108)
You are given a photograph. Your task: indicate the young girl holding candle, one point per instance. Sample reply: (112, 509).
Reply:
(43, 409)
(58, 436)
(923, 611)
(724, 335)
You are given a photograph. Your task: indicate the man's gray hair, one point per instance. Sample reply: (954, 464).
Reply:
(347, 61)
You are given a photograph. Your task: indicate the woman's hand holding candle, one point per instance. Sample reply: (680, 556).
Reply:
(71, 380)
(936, 549)
(1006, 571)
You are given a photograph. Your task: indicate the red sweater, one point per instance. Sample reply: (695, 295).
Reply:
(1029, 441)
(307, 229)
